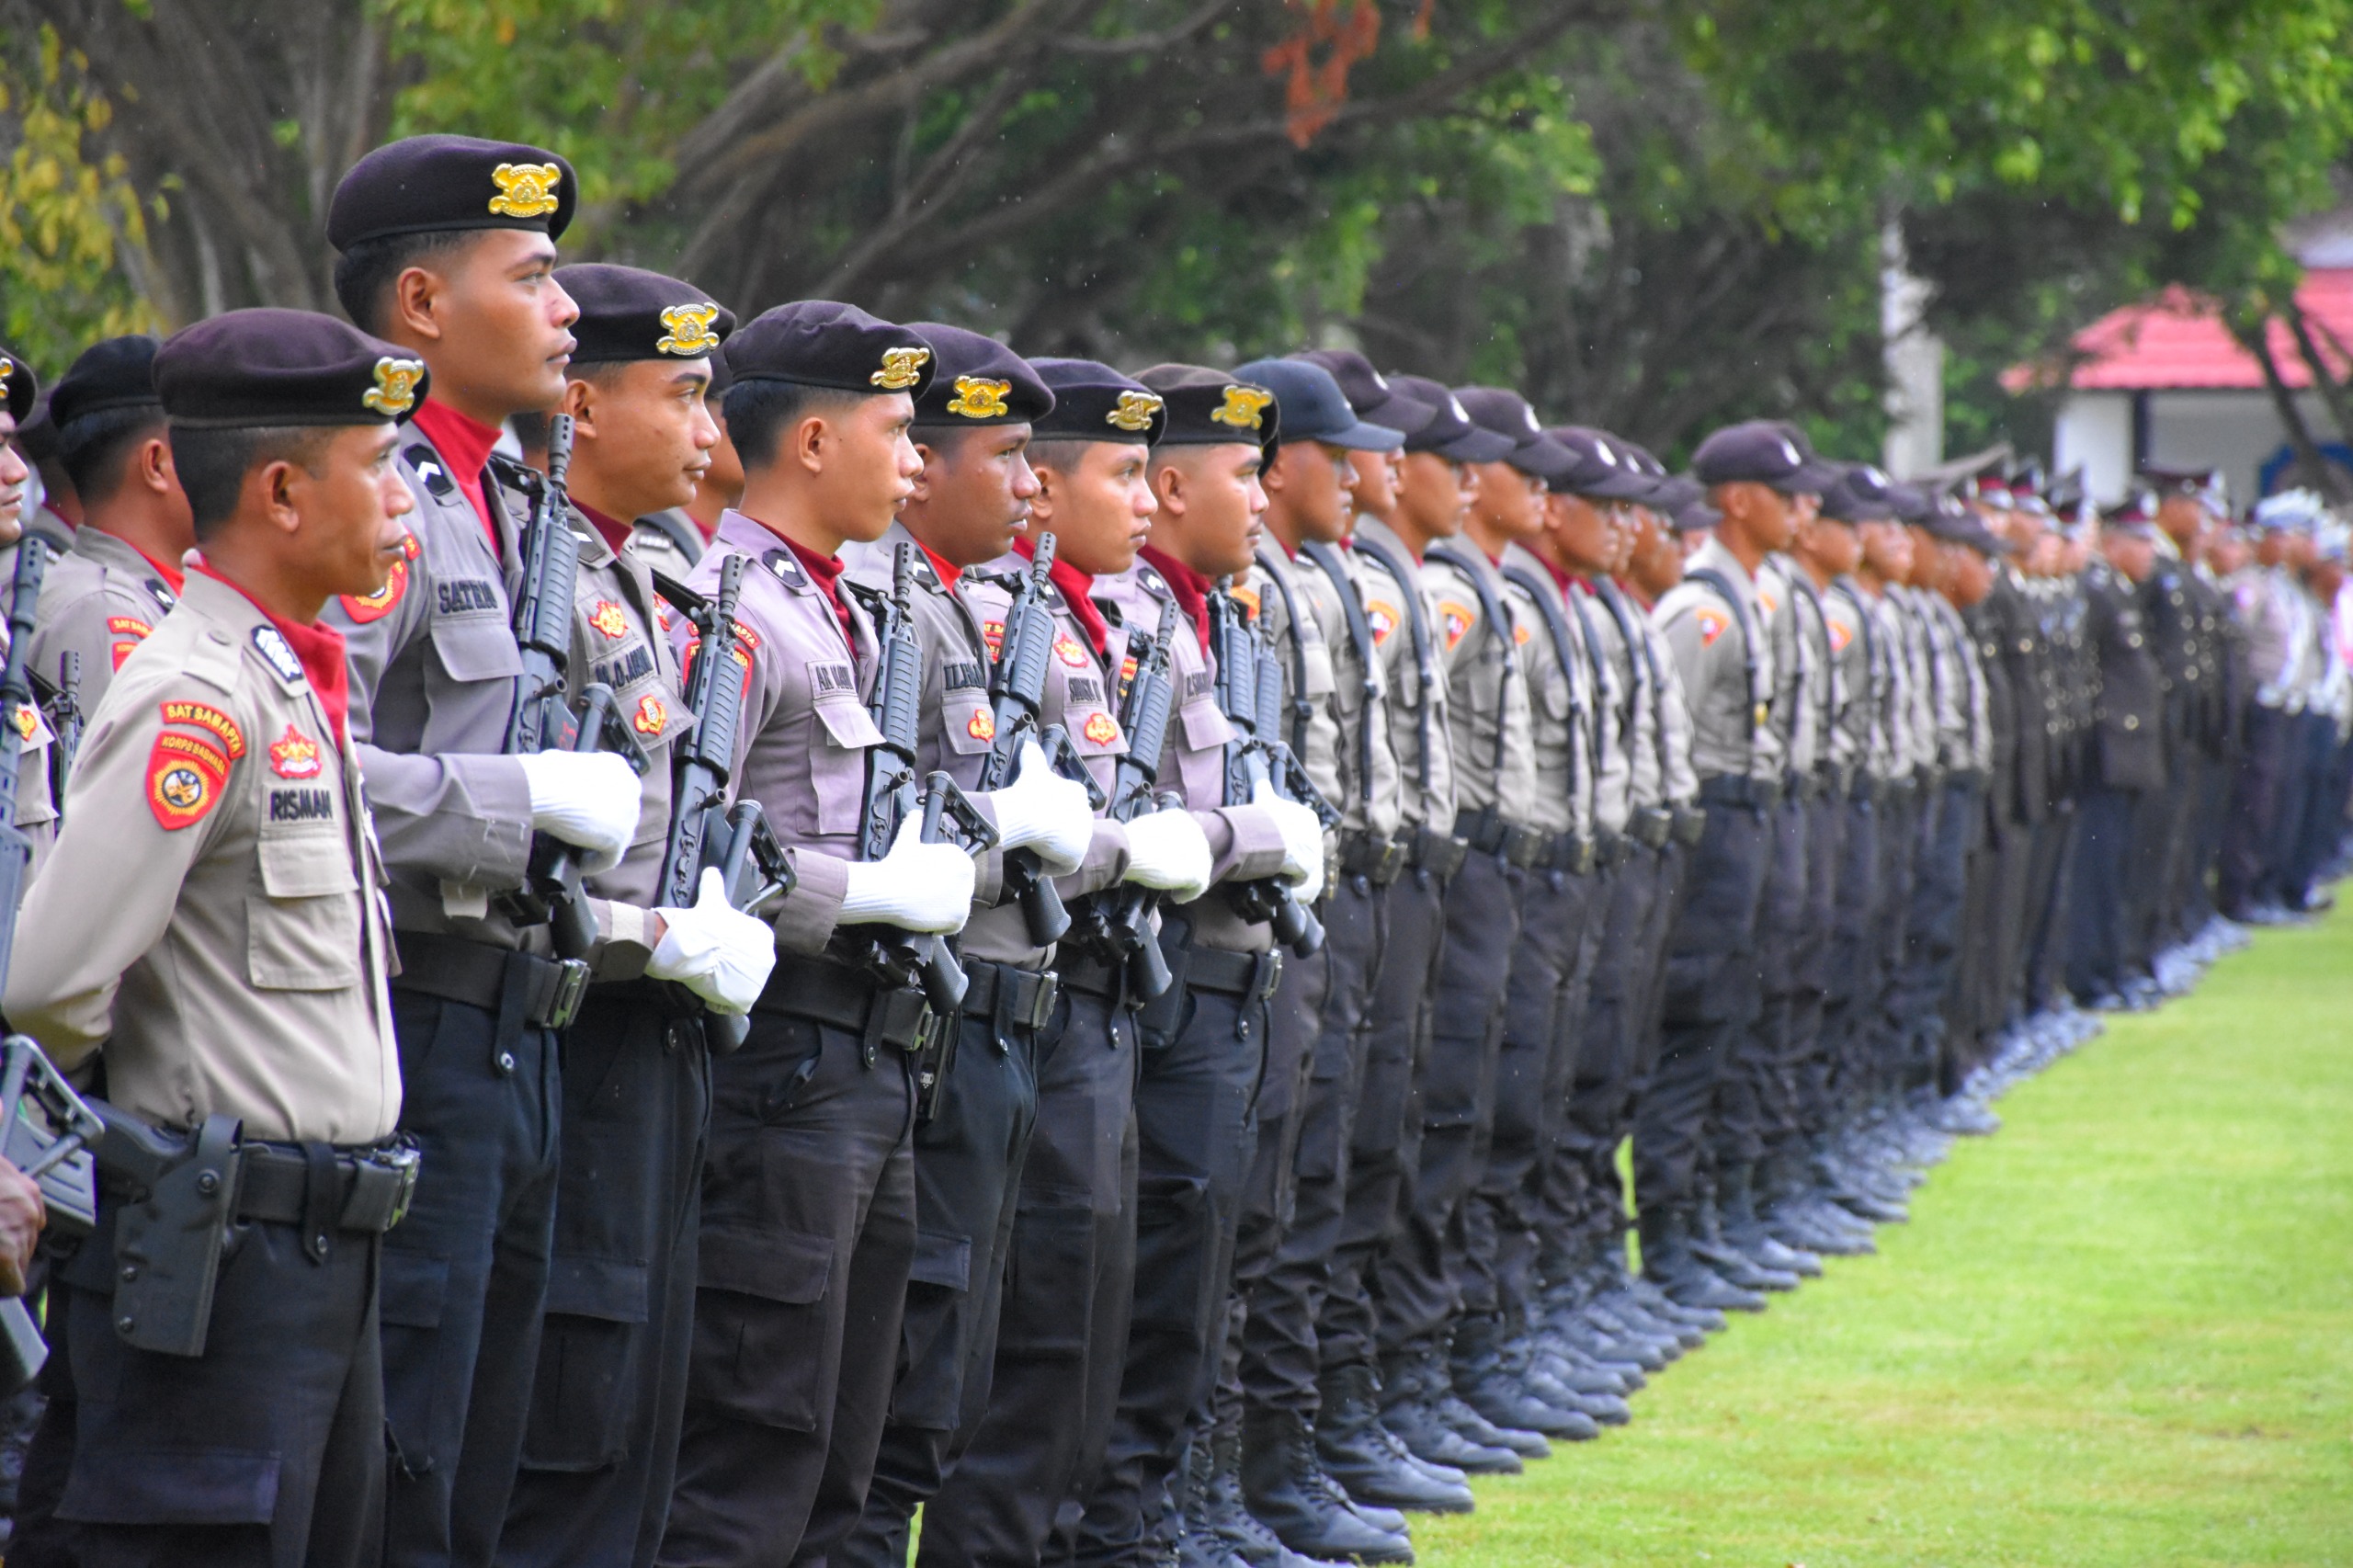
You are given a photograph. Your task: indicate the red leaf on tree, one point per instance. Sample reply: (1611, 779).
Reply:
(1316, 59)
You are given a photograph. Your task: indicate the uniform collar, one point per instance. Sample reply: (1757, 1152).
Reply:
(317, 649)
(464, 443)
(613, 532)
(1077, 589)
(1192, 589)
(113, 550)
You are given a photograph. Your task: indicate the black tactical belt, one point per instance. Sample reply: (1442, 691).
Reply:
(1867, 790)
(1735, 789)
(1427, 849)
(1901, 791)
(1486, 832)
(1610, 848)
(1234, 974)
(1965, 778)
(1651, 826)
(820, 991)
(1690, 823)
(1569, 852)
(369, 1194)
(1371, 855)
(1011, 997)
(1087, 972)
(457, 969)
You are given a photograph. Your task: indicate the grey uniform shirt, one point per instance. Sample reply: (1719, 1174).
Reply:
(101, 600)
(1275, 591)
(1725, 658)
(669, 543)
(1800, 675)
(1560, 681)
(1630, 740)
(1862, 679)
(1487, 695)
(1397, 608)
(1334, 580)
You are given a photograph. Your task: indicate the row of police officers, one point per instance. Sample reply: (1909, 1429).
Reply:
(872, 924)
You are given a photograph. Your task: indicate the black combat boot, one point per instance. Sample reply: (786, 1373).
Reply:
(1356, 1451)
(1670, 1263)
(1456, 1412)
(1709, 1247)
(1409, 1410)
(1488, 1384)
(1286, 1490)
(1745, 1228)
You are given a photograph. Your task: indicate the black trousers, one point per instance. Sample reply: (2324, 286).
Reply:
(1197, 1136)
(2099, 923)
(1418, 1280)
(1550, 972)
(968, 1161)
(1710, 996)
(1809, 1044)
(1384, 1144)
(2049, 905)
(1279, 1357)
(1932, 925)
(1757, 1096)
(600, 1449)
(268, 1449)
(808, 1233)
(1606, 1064)
(1062, 1338)
(1852, 971)
(2258, 800)
(2322, 822)
(466, 1273)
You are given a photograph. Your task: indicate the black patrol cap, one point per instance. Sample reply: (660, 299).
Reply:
(1451, 434)
(1606, 468)
(1864, 493)
(1315, 409)
(1913, 502)
(2135, 514)
(627, 313)
(18, 382)
(1683, 501)
(1212, 408)
(1952, 521)
(115, 372)
(1502, 412)
(1095, 402)
(1369, 393)
(978, 380)
(270, 366)
(432, 184)
(1764, 451)
(822, 343)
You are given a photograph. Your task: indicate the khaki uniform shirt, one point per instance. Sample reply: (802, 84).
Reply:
(1629, 739)
(1799, 695)
(212, 913)
(101, 600)
(1559, 680)
(1487, 695)
(1725, 656)
(1331, 581)
(1403, 619)
(1863, 679)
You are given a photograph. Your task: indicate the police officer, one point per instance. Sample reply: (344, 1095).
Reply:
(102, 598)
(213, 925)
(973, 430)
(671, 541)
(1062, 1339)
(36, 812)
(808, 1216)
(1205, 1038)
(605, 1404)
(2279, 617)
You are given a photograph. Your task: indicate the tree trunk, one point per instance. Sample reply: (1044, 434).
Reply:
(2309, 462)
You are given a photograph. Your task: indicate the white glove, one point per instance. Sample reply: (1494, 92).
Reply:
(590, 800)
(718, 954)
(1169, 851)
(917, 887)
(1302, 832)
(1044, 812)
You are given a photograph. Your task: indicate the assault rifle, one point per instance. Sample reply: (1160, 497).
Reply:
(1119, 920)
(1016, 695)
(62, 703)
(544, 717)
(704, 830)
(1253, 759)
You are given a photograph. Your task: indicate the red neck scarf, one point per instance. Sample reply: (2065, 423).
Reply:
(174, 578)
(615, 534)
(318, 647)
(1077, 590)
(1192, 590)
(825, 571)
(466, 442)
(948, 575)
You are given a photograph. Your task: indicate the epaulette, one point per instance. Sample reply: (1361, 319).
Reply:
(1150, 579)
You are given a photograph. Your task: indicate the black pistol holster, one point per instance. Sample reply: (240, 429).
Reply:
(180, 1193)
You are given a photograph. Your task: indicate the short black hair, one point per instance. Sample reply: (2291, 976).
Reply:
(212, 464)
(96, 448)
(759, 412)
(364, 274)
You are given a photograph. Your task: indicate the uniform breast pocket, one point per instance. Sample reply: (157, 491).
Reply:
(838, 768)
(1315, 662)
(1206, 728)
(475, 647)
(967, 719)
(302, 928)
(1554, 695)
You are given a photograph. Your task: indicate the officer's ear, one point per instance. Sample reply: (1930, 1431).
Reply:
(1168, 486)
(929, 456)
(580, 401)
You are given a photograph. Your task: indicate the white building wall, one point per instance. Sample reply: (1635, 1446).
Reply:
(2094, 432)
(2237, 432)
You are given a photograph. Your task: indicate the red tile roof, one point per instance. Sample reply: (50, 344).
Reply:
(2177, 340)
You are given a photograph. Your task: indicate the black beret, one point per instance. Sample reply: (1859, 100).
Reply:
(17, 380)
(37, 434)
(1095, 402)
(1369, 391)
(432, 184)
(119, 372)
(1764, 451)
(1606, 467)
(627, 313)
(1954, 523)
(1208, 407)
(1505, 413)
(279, 367)
(821, 343)
(1863, 495)
(1314, 408)
(1451, 434)
(722, 378)
(2135, 514)
(978, 380)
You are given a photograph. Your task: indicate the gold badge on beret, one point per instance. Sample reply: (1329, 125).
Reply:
(977, 397)
(394, 393)
(1244, 408)
(687, 331)
(8, 367)
(902, 367)
(525, 190)
(1135, 412)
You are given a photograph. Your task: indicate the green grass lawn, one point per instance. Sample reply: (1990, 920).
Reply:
(2119, 1332)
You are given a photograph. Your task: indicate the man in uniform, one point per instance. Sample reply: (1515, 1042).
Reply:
(102, 598)
(973, 430)
(808, 1199)
(1205, 1038)
(213, 923)
(447, 249)
(671, 541)
(598, 1451)
(1062, 1339)
(2280, 619)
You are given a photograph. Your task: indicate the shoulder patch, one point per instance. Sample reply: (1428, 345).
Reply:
(201, 716)
(1244, 595)
(1771, 605)
(294, 755)
(31, 729)
(1840, 634)
(1150, 579)
(1455, 621)
(785, 568)
(128, 626)
(365, 608)
(428, 468)
(185, 778)
(1711, 623)
(1520, 632)
(993, 633)
(1382, 617)
(276, 654)
(164, 595)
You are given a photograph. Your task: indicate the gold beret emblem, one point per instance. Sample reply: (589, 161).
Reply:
(8, 367)
(902, 367)
(1244, 408)
(525, 190)
(977, 397)
(394, 393)
(1135, 412)
(687, 331)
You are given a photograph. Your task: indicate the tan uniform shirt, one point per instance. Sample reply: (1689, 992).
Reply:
(1559, 680)
(101, 600)
(1334, 580)
(1487, 695)
(1403, 621)
(213, 912)
(1725, 657)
